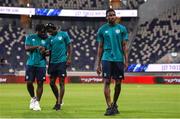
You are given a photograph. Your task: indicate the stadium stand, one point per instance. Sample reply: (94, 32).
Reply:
(153, 39)
(60, 4)
(84, 48)
(9, 3)
(5, 67)
(12, 46)
(75, 4)
(156, 38)
(134, 4)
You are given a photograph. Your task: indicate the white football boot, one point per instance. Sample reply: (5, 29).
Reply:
(37, 106)
(32, 102)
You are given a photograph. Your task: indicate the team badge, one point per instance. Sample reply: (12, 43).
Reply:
(106, 31)
(43, 42)
(117, 31)
(60, 37)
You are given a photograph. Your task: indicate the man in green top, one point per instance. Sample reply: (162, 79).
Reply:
(36, 64)
(59, 45)
(112, 53)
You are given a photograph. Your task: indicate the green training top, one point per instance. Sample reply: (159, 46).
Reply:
(112, 37)
(58, 46)
(35, 58)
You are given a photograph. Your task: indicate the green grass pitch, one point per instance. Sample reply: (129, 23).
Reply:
(87, 101)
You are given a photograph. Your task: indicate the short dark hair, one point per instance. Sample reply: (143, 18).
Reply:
(40, 27)
(110, 10)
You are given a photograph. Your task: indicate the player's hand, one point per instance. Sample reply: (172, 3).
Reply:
(126, 65)
(68, 63)
(47, 53)
(42, 49)
(98, 70)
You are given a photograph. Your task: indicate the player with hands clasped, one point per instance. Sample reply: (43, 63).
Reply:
(36, 64)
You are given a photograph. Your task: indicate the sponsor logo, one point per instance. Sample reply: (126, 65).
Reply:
(171, 67)
(91, 80)
(174, 80)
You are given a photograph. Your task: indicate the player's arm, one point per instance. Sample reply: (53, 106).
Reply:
(69, 48)
(99, 56)
(31, 48)
(125, 51)
(46, 52)
(47, 46)
(69, 54)
(124, 45)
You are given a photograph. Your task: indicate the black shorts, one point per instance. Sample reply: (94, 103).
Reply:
(33, 73)
(114, 70)
(57, 69)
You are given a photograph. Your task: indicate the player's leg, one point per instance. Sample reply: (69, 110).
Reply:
(118, 75)
(62, 89)
(29, 78)
(39, 90)
(107, 91)
(106, 68)
(53, 76)
(54, 87)
(30, 88)
(62, 74)
(117, 91)
(61, 92)
(41, 77)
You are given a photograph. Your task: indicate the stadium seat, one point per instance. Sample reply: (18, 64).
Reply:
(156, 38)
